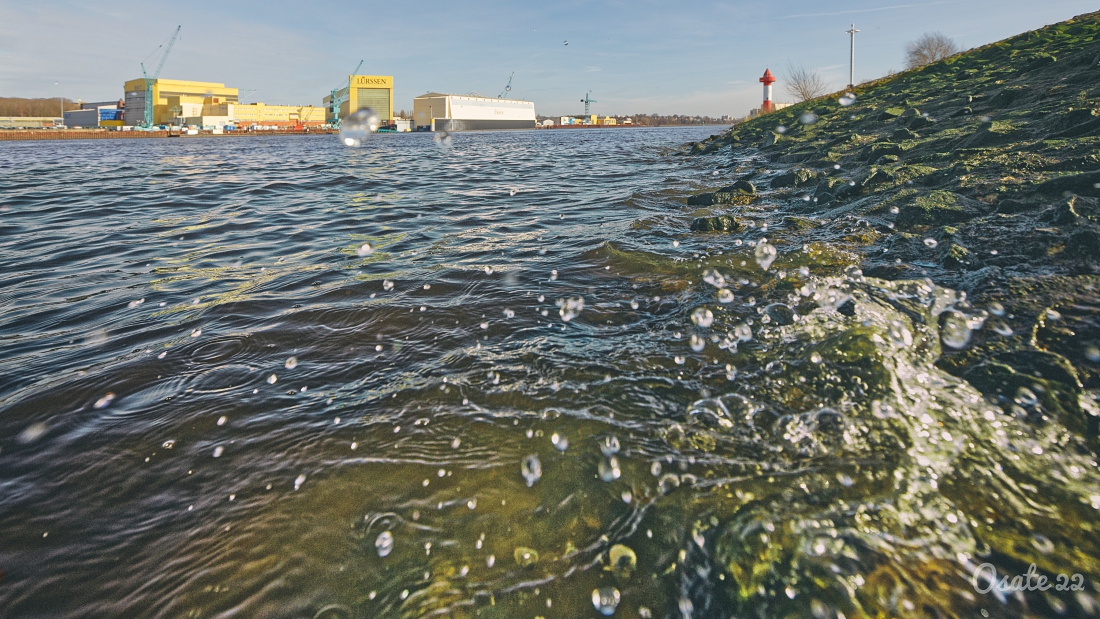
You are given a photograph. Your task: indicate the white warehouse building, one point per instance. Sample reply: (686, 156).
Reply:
(441, 112)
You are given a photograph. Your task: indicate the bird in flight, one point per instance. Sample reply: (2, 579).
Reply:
(567, 42)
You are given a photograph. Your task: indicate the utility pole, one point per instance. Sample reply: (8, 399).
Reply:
(852, 64)
(61, 102)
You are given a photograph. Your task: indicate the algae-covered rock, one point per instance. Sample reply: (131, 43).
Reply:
(799, 223)
(1085, 244)
(718, 223)
(956, 256)
(740, 193)
(936, 208)
(1087, 184)
(797, 177)
(879, 176)
(891, 113)
(873, 152)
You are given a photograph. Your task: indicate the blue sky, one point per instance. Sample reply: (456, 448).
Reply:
(634, 57)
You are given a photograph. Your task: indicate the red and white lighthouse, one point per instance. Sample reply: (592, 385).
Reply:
(767, 80)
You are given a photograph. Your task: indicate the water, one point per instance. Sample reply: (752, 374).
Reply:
(216, 402)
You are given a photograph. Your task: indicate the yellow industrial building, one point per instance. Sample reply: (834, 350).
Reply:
(211, 104)
(373, 91)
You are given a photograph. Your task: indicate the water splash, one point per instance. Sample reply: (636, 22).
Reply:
(358, 126)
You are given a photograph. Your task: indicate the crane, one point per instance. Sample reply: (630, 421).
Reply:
(147, 121)
(507, 88)
(337, 99)
(587, 101)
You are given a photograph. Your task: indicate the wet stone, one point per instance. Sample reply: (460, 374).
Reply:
(718, 223)
(936, 208)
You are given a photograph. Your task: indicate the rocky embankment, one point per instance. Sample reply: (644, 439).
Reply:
(980, 172)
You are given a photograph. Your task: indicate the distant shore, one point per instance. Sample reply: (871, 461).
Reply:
(101, 134)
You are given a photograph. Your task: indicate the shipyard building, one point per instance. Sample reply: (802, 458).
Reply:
(373, 91)
(442, 112)
(210, 105)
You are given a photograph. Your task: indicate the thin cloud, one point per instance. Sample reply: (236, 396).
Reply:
(881, 8)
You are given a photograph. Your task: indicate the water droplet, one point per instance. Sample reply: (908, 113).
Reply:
(765, 255)
(531, 469)
(1026, 397)
(714, 278)
(731, 372)
(622, 560)
(605, 599)
(996, 309)
(679, 360)
(668, 482)
(384, 543)
(365, 250)
(291, 363)
(955, 331)
(1052, 314)
(676, 243)
(634, 304)
(899, 334)
(221, 420)
(560, 442)
(815, 357)
(702, 317)
(847, 99)
(1042, 543)
(780, 129)
(272, 379)
(387, 284)
(1092, 353)
(844, 480)
(488, 270)
(509, 313)
(105, 400)
(525, 556)
(218, 451)
(1002, 328)
(571, 307)
(299, 480)
(808, 118)
(512, 191)
(609, 445)
(357, 126)
(196, 332)
(608, 469)
(135, 303)
(931, 242)
(697, 343)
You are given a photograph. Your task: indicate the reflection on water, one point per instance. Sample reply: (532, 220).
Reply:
(275, 377)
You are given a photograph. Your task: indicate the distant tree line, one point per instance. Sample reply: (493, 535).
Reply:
(657, 120)
(16, 106)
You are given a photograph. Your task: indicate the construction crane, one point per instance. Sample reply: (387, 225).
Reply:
(147, 121)
(507, 88)
(338, 99)
(587, 101)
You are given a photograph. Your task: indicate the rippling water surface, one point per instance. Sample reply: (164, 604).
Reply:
(276, 377)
